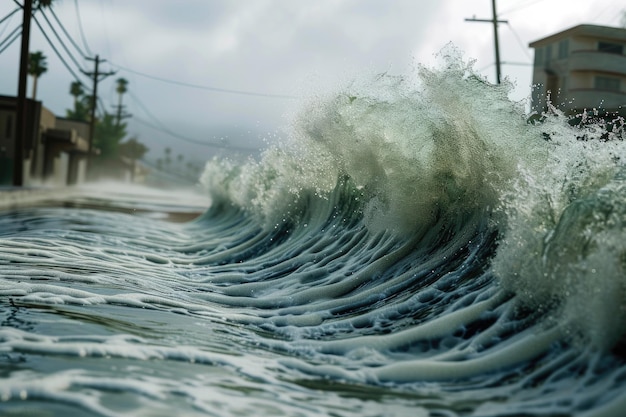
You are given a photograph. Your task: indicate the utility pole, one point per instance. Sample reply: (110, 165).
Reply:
(21, 115)
(121, 88)
(494, 20)
(97, 76)
(121, 114)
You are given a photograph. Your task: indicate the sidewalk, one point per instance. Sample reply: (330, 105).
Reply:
(173, 205)
(19, 196)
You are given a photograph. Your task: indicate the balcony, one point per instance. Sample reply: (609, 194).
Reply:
(597, 61)
(610, 101)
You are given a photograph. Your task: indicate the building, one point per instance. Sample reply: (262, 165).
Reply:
(581, 69)
(55, 149)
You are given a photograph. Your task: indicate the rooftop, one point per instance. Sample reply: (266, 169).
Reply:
(607, 32)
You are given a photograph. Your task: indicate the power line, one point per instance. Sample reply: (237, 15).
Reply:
(55, 50)
(145, 110)
(494, 20)
(205, 87)
(194, 141)
(8, 40)
(162, 128)
(519, 41)
(519, 64)
(603, 11)
(10, 14)
(80, 28)
(520, 7)
(80, 51)
(67, 51)
(96, 78)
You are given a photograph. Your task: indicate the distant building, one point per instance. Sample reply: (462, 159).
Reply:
(581, 69)
(55, 149)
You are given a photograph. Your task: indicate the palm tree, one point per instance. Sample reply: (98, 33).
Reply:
(122, 83)
(168, 159)
(76, 90)
(36, 66)
(40, 4)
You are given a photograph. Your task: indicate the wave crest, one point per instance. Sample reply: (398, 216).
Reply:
(415, 150)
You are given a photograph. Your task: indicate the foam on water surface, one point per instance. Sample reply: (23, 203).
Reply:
(415, 248)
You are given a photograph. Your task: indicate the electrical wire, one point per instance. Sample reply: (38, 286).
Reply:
(157, 125)
(519, 7)
(204, 87)
(519, 41)
(67, 51)
(80, 51)
(8, 41)
(169, 173)
(192, 140)
(603, 11)
(80, 29)
(10, 15)
(55, 50)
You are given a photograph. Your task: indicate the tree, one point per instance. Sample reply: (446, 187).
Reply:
(168, 158)
(108, 136)
(109, 132)
(82, 104)
(134, 150)
(41, 4)
(36, 67)
(76, 90)
(121, 88)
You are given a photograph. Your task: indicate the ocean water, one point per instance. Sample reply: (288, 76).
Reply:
(413, 247)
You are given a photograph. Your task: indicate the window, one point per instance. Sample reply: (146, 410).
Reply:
(548, 54)
(538, 57)
(607, 84)
(563, 48)
(611, 48)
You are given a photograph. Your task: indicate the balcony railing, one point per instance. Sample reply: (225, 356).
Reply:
(597, 61)
(582, 98)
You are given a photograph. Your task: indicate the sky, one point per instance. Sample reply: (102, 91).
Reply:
(219, 77)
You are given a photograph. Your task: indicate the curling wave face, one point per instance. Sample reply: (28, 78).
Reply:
(415, 247)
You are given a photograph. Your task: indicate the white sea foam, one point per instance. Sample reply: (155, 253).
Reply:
(415, 245)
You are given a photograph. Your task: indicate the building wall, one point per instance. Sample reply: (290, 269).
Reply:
(60, 170)
(37, 155)
(81, 128)
(46, 159)
(577, 75)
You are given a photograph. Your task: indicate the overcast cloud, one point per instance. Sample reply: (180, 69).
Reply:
(269, 47)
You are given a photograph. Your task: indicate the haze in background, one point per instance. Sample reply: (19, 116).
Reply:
(210, 78)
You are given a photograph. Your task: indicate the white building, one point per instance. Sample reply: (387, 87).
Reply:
(581, 69)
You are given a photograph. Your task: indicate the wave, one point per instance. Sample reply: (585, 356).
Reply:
(416, 245)
(445, 155)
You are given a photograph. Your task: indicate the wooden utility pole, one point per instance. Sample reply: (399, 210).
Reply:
(121, 114)
(96, 74)
(494, 20)
(21, 115)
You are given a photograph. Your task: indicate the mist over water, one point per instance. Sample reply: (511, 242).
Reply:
(416, 247)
